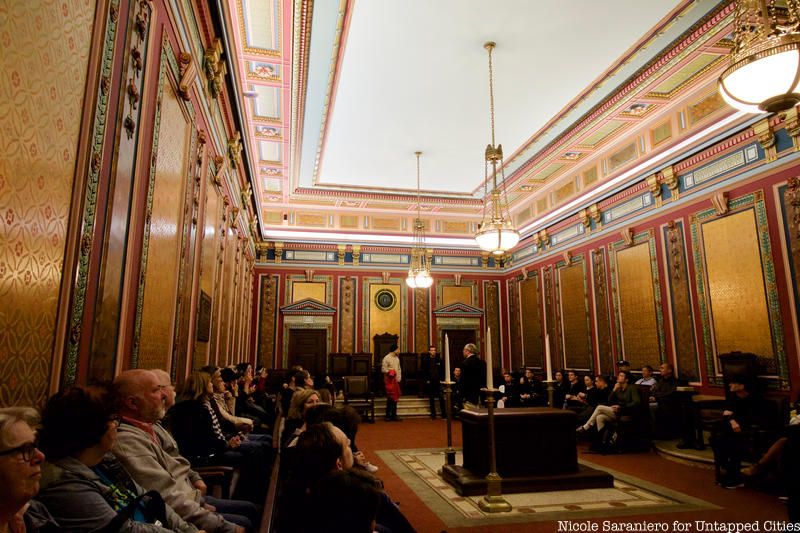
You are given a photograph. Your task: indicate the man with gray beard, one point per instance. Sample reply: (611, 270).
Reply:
(151, 456)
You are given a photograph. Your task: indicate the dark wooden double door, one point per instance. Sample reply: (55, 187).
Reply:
(309, 348)
(457, 339)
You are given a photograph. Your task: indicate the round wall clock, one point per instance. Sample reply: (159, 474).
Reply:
(385, 300)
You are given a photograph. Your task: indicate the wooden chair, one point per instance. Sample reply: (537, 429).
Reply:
(221, 480)
(360, 364)
(338, 367)
(409, 363)
(358, 395)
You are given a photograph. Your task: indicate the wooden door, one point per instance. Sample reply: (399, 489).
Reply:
(308, 347)
(458, 338)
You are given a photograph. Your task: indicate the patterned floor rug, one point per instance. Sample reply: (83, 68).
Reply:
(418, 468)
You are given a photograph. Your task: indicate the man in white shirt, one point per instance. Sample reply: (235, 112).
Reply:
(391, 362)
(647, 376)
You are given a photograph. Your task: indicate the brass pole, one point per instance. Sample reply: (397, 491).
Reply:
(449, 452)
(493, 502)
(551, 389)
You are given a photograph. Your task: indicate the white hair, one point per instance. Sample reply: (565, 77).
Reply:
(10, 416)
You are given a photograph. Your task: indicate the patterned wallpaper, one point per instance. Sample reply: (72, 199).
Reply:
(43, 65)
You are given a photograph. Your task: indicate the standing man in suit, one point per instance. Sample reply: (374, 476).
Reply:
(473, 376)
(433, 369)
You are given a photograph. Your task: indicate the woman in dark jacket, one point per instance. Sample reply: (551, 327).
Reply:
(84, 486)
(198, 432)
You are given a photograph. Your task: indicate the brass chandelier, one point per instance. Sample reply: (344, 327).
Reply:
(419, 275)
(764, 75)
(496, 232)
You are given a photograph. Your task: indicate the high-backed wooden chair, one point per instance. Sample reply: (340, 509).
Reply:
(360, 364)
(338, 367)
(409, 363)
(358, 395)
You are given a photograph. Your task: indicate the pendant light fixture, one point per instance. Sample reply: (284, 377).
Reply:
(764, 75)
(419, 275)
(496, 232)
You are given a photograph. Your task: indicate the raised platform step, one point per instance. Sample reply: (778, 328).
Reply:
(692, 457)
(407, 407)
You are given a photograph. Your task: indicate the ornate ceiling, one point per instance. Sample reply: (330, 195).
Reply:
(339, 94)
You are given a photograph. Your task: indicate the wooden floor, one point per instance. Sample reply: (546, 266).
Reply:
(741, 505)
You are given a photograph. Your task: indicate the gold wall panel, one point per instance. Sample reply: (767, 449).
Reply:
(161, 274)
(638, 322)
(311, 219)
(661, 133)
(564, 192)
(449, 226)
(421, 320)
(273, 217)
(541, 205)
(208, 262)
(347, 315)
(42, 84)
(704, 107)
(384, 321)
(379, 223)
(590, 176)
(452, 294)
(736, 285)
(575, 316)
(220, 358)
(302, 290)
(531, 307)
(622, 156)
(348, 221)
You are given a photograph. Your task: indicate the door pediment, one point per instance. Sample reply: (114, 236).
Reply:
(308, 307)
(458, 310)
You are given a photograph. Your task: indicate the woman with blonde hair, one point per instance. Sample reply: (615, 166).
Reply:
(302, 400)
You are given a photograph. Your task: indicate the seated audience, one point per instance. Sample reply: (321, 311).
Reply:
(228, 421)
(728, 439)
(623, 399)
(508, 391)
(561, 387)
(665, 404)
(588, 399)
(84, 486)
(20, 473)
(196, 428)
(647, 377)
(225, 397)
(246, 404)
(298, 379)
(530, 391)
(151, 455)
(574, 388)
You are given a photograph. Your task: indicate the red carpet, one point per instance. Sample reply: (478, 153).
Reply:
(742, 505)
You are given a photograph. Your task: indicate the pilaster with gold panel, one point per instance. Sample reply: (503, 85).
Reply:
(491, 307)
(514, 328)
(348, 300)
(267, 319)
(679, 303)
(602, 315)
(422, 298)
